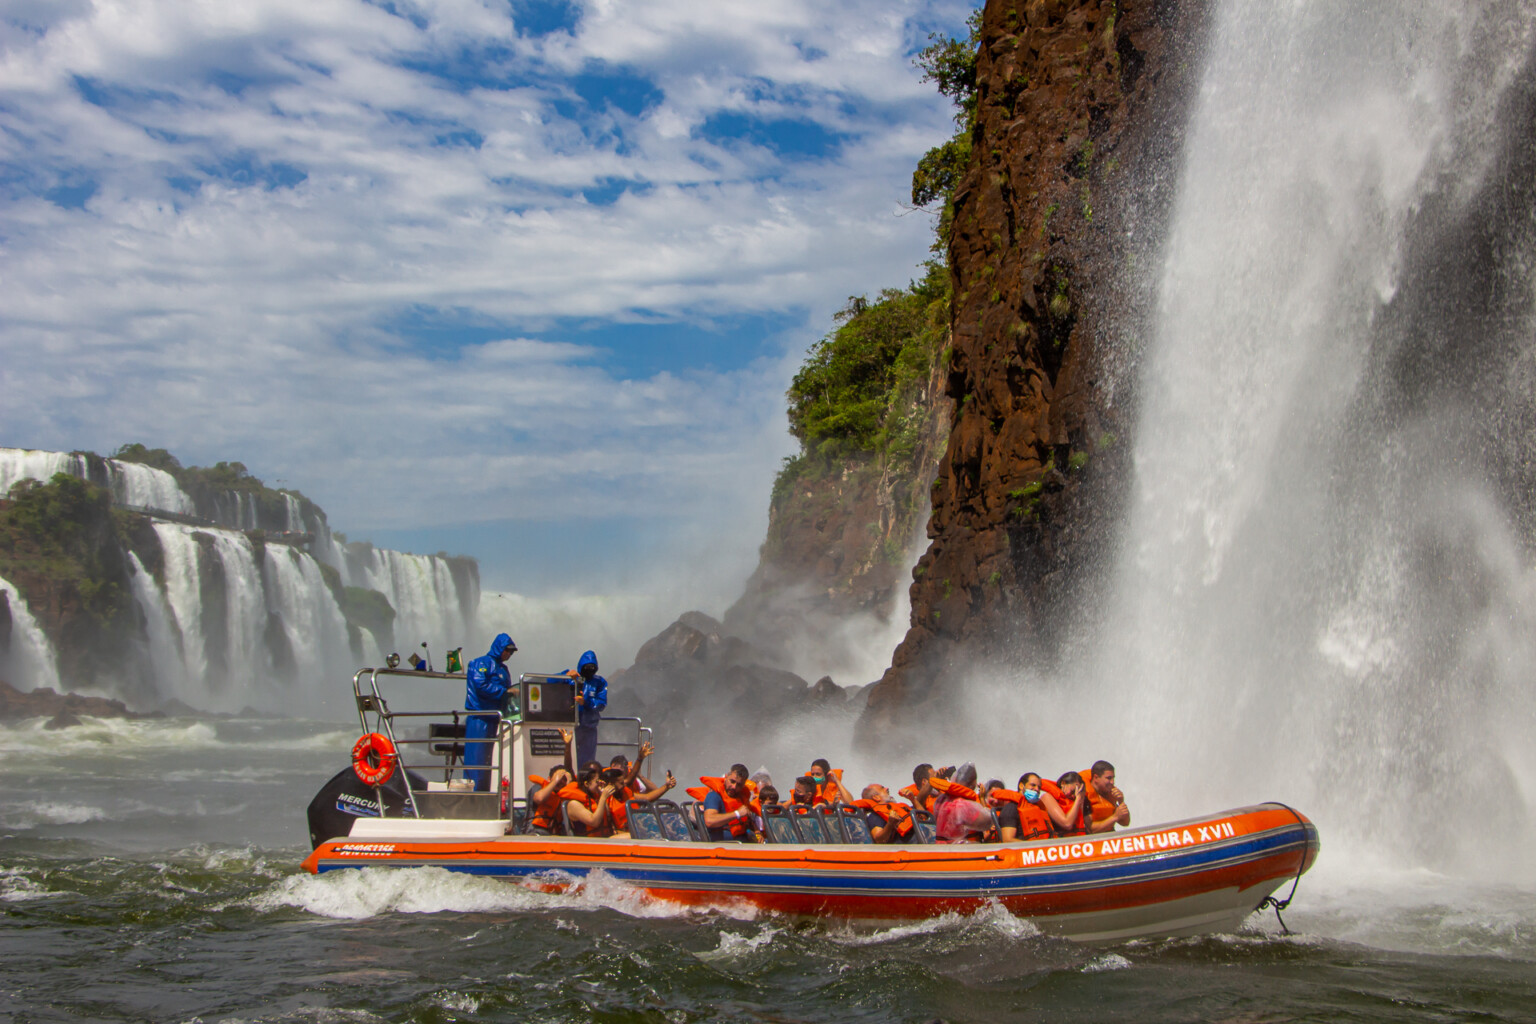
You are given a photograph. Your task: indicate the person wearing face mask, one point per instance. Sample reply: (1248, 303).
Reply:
(591, 699)
(1036, 808)
(829, 783)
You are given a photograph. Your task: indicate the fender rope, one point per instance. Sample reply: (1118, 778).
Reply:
(1270, 901)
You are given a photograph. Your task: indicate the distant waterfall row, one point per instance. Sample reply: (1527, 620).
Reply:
(229, 619)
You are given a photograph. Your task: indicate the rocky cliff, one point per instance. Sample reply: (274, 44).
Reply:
(1077, 124)
(847, 512)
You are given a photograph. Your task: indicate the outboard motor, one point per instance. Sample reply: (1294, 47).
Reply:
(347, 797)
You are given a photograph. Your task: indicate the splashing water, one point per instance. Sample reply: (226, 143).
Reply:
(1325, 591)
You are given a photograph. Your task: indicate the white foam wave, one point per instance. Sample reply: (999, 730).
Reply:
(17, 887)
(734, 947)
(1106, 962)
(369, 892)
(34, 813)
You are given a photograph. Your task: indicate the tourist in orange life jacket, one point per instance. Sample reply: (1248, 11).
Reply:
(1071, 803)
(726, 814)
(766, 796)
(829, 783)
(634, 786)
(889, 821)
(920, 794)
(589, 801)
(1039, 815)
(544, 802)
(805, 792)
(1106, 803)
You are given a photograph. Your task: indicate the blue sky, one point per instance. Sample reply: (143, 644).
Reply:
(524, 280)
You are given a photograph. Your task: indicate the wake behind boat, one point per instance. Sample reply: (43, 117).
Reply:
(1202, 875)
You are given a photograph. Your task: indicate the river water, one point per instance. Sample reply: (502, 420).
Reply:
(149, 871)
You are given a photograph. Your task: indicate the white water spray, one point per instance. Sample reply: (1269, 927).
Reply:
(1318, 601)
(26, 659)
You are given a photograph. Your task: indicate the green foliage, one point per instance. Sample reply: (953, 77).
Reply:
(1077, 460)
(850, 396)
(59, 530)
(951, 65)
(940, 170)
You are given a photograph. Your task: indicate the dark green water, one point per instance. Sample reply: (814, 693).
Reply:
(148, 872)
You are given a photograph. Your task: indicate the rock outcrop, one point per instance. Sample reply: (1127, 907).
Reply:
(1078, 125)
(714, 697)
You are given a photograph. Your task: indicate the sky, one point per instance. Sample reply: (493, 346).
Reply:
(524, 280)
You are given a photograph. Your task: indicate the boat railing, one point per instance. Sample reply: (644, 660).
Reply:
(375, 715)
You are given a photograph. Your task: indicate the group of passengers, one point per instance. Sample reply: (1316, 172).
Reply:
(736, 805)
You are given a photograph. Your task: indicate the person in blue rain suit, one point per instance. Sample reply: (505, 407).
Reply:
(591, 699)
(488, 686)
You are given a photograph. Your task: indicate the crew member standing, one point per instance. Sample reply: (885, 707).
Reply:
(591, 699)
(488, 685)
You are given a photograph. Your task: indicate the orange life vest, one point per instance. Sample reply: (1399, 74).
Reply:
(1102, 809)
(910, 792)
(575, 792)
(828, 792)
(1065, 803)
(1034, 821)
(902, 815)
(736, 827)
(547, 813)
(954, 789)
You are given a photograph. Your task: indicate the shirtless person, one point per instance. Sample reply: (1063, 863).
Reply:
(1105, 800)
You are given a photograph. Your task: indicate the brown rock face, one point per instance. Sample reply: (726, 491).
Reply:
(837, 545)
(1055, 231)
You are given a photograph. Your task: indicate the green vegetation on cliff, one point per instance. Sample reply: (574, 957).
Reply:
(853, 396)
(950, 64)
(57, 530)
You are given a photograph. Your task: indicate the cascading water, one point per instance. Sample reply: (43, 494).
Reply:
(26, 657)
(428, 602)
(147, 487)
(17, 464)
(1325, 590)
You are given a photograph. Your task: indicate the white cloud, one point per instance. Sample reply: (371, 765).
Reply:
(273, 184)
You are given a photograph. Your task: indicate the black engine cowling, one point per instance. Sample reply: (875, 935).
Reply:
(346, 797)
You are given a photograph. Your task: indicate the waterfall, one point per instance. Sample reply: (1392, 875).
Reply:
(166, 653)
(423, 592)
(315, 630)
(17, 464)
(147, 487)
(26, 658)
(1325, 590)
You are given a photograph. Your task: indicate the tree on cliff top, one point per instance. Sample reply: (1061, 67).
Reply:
(848, 398)
(951, 65)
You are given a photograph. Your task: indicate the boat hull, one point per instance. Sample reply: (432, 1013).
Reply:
(1189, 877)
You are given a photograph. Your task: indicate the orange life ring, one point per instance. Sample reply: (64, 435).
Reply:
(374, 759)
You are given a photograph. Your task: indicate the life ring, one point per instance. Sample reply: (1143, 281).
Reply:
(374, 759)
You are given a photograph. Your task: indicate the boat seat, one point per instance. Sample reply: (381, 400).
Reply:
(926, 827)
(519, 811)
(643, 823)
(446, 731)
(779, 826)
(809, 825)
(674, 824)
(831, 823)
(693, 814)
(855, 828)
